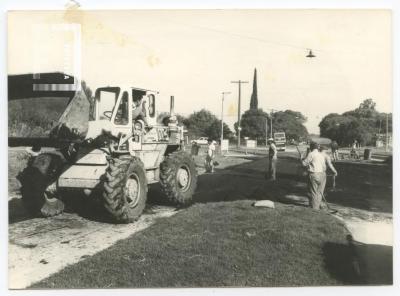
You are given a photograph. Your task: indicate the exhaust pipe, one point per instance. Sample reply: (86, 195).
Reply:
(171, 108)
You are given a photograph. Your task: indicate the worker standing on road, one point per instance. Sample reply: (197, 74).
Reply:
(316, 163)
(328, 164)
(273, 159)
(209, 163)
(335, 152)
(353, 151)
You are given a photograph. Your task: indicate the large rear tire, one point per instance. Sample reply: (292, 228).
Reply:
(178, 178)
(41, 172)
(125, 189)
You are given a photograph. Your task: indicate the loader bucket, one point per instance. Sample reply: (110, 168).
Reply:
(45, 104)
(73, 123)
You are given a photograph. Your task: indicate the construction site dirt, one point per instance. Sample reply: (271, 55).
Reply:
(40, 247)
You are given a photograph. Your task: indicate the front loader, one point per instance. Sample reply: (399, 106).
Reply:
(116, 160)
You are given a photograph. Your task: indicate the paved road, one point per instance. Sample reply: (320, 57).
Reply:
(39, 247)
(290, 149)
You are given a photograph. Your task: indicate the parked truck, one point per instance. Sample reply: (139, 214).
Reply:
(280, 141)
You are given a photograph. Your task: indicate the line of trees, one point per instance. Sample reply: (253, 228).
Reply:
(254, 123)
(364, 124)
(203, 123)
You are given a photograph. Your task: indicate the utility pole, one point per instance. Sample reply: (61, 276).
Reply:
(271, 124)
(222, 115)
(387, 132)
(266, 131)
(271, 113)
(239, 82)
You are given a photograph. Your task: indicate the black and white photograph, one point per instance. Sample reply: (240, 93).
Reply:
(199, 148)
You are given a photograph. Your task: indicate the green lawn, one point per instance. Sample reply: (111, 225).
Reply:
(221, 244)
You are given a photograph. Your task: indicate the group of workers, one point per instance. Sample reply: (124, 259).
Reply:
(316, 162)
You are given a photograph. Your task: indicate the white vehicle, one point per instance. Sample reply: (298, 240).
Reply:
(280, 141)
(201, 141)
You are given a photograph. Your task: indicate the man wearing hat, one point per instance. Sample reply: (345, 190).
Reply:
(316, 163)
(328, 164)
(273, 159)
(209, 162)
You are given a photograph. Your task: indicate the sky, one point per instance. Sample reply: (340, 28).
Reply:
(195, 54)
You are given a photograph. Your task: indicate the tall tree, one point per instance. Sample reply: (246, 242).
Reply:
(254, 96)
(363, 124)
(253, 124)
(214, 131)
(365, 110)
(290, 122)
(204, 123)
(198, 122)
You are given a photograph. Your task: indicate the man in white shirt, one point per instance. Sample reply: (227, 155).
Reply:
(316, 163)
(210, 156)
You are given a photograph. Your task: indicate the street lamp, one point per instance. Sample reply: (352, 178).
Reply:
(310, 54)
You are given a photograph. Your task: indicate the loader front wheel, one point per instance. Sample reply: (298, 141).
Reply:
(125, 189)
(178, 177)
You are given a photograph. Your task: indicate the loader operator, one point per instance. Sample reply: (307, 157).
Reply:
(139, 110)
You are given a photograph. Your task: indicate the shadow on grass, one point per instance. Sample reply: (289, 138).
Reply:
(360, 186)
(247, 181)
(359, 264)
(340, 262)
(376, 263)
(363, 186)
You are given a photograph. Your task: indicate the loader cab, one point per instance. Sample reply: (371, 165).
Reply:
(114, 109)
(116, 104)
(112, 104)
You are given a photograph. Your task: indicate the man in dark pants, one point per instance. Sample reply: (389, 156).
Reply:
(335, 152)
(316, 163)
(328, 164)
(273, 159)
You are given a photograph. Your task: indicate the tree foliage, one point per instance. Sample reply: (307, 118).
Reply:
(290, 122)
(362, 124)
(214, 131)
(204, 123)
(163, 118)
(253, 124)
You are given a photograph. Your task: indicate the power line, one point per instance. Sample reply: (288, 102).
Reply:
(246, 36)
(276, 43)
